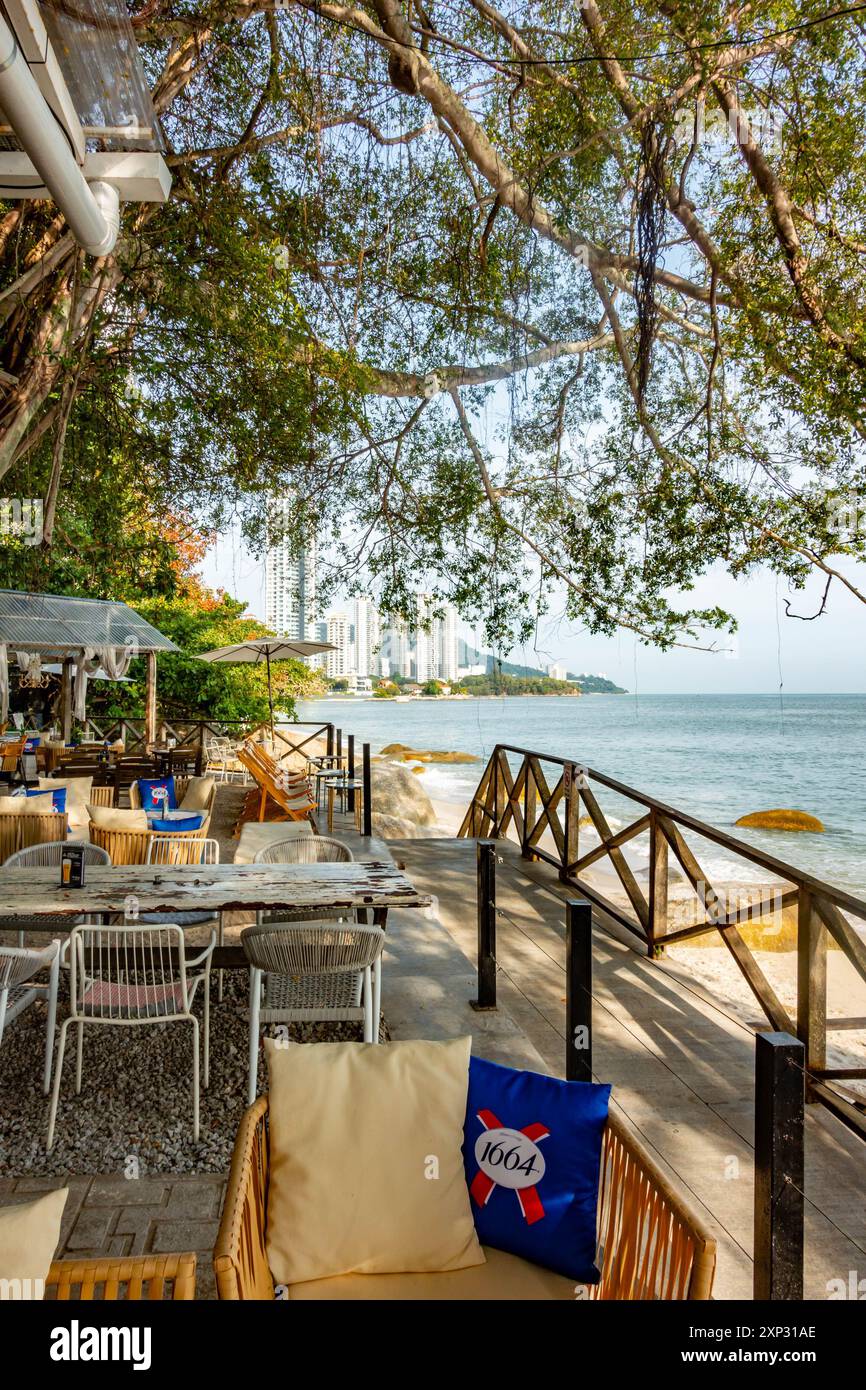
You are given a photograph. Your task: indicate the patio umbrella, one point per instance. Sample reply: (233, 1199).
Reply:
(267, 649)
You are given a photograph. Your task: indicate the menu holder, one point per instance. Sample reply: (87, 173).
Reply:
(72, 866)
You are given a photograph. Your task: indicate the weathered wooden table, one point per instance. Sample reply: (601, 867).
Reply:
(369, 884)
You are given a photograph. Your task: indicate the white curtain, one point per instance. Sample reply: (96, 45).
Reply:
(4, 683)
(85, 665)
(114, 662)
(30, 664)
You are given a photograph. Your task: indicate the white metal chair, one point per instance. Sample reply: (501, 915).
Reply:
(220, 753)
(19, 989)
(310, 971)
(134, 974)
(47, 856)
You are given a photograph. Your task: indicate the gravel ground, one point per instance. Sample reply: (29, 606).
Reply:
(136, 1096)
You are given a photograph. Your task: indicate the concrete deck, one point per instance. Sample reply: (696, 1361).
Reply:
(681, 1067)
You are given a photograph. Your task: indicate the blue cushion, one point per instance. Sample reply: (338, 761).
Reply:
(58, 796)
(532, 1153)
(191, 822)
(150, 789)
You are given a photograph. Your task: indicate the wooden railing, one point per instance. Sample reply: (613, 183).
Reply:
(194, 732)
(543, 812)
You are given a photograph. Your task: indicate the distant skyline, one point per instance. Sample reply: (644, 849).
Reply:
(825, 656)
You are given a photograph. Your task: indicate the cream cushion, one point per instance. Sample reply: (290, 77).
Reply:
(29, 1236)
(26, 805)
(112, 818)
(356, 1132)
(77, 796)
(197, 794)
(504, 1277)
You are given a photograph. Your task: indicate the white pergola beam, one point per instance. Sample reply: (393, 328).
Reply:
(140, 176)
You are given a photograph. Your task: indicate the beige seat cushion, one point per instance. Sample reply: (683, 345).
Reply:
(506, 1278)
(366, 1169)
(78, 791)
(256, 835)
(197, 794)
(29, 1236)
(26, 805)
(113, 818)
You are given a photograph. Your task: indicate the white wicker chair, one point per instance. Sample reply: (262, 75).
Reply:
(314, 849)
(310, 971)
(19, 989)
(182, 849)
(47, 856)
(311, 849)
(125, 975)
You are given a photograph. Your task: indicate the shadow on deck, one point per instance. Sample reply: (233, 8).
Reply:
(682, 1067)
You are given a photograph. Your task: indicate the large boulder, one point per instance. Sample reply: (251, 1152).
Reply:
(396, 793)
(780, 819)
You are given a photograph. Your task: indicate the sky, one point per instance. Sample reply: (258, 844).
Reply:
(770, 650)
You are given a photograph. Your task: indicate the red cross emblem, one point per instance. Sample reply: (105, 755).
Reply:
(509, 1158)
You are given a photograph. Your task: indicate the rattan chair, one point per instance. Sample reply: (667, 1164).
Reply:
(19, 965)
(133, 974)
(47, 856)
(302, 972)
(125, 1279)
(19, 830)
(651, 1245)
(132, 846)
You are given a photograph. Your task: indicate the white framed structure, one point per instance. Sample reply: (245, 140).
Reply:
(76, 120)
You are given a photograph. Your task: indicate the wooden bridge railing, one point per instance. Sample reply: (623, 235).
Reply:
(543, 813)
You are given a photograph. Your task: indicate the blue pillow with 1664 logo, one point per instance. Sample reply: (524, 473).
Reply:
(532, 1152)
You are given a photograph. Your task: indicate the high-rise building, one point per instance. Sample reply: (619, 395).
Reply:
(290, 577)
(435, 642)
(341, 635)
(368, 639)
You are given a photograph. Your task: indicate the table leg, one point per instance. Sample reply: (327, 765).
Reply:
(380, 919)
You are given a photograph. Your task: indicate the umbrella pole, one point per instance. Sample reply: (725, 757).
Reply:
(270, 695)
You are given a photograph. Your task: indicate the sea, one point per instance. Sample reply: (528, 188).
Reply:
(715, 757)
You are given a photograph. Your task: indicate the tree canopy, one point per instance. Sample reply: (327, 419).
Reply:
(553, 296)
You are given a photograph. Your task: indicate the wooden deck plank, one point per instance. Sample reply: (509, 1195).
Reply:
(682, 1066)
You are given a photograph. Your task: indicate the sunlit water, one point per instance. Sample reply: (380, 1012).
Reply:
(716, 757)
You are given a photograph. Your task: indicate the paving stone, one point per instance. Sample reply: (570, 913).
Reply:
(91, 1229)
(135, 1221)
(196, 1200)
(170, 1237)
(126, 1192)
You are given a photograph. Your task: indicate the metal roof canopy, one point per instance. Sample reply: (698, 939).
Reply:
(53, 623)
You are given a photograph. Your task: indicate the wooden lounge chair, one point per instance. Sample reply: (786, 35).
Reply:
(124, 1279)
(292, 799)
(651, 1245)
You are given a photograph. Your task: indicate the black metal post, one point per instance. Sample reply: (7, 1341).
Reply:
(351, 742)
(779, 1108)
(486, 895)
(578, 990)
(339, 745)
(367, 793)
(330, 740)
